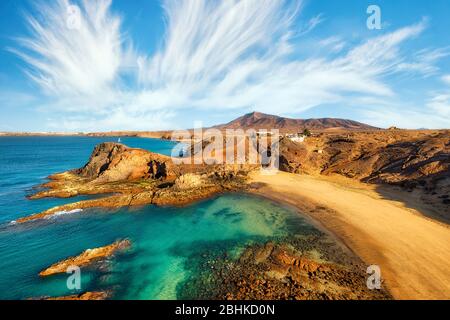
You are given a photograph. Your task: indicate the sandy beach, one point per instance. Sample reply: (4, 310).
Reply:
(410, 248)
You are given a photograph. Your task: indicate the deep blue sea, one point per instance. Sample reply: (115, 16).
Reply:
(163, 239)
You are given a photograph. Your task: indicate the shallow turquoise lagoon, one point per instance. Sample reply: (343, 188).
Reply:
(163, 239)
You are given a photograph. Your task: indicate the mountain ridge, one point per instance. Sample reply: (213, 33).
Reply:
(259, 120)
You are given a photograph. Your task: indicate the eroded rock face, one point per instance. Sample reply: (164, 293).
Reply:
(188, 181)
(131, 177)
(86, 258)
(112, 162)
(413, 160)
(292, 156)
(383, 156)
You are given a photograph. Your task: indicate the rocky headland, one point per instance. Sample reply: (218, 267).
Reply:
(132, 177)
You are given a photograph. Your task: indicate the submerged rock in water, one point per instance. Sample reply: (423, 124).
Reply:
(86, 258)
(310, 269)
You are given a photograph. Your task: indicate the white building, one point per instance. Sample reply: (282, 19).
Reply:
(298, 138)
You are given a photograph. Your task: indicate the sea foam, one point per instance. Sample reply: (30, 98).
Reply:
(64, 212)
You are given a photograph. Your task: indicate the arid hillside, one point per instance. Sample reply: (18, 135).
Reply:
(412, 160)
(257, 121)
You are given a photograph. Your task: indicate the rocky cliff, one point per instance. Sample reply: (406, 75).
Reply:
(412, 160)
(112, 162)
(136, 177)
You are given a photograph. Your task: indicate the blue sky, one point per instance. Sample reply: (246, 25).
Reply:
(151, 65)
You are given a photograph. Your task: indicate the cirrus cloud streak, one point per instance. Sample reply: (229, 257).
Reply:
(236, 54)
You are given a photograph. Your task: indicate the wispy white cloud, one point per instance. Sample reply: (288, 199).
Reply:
(404, 116)
(84, 59)
(271, 80)
(116, 120)
(236, 54)
(21, 99)
(332, 44)
(425, 61)
(439, 103)
(208, 73)
(434, 113)
(311, 24)
(446, 79)
(206, 39)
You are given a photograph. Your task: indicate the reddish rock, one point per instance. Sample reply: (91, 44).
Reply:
(87, 257)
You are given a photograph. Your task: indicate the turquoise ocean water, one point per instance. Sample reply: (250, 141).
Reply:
(163, 239)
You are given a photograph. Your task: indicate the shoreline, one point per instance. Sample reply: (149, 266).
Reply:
(409, 247)
(350, 236)
(304, 211)
(145, 135)
(380, 225)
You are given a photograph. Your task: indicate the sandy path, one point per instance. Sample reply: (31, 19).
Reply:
(412, 251)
